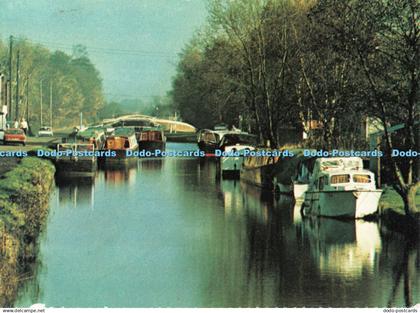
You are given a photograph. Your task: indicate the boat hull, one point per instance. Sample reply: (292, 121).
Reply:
(76, 167)
(258, 176)
(120, 156)
(208, 148)
(342, 204)
(231, 166)
(181, 137)
(152, 145)
(299, 190)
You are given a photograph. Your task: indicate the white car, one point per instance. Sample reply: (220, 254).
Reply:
(45, 131)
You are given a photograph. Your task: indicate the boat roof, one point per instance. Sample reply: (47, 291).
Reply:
(123, 132)
(344, 171)
(90, 132)
(339, 158)
(236, 133)
(336, 164)
(152, 128)
(339, 163)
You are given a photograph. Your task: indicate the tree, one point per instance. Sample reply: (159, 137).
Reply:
(383, 37)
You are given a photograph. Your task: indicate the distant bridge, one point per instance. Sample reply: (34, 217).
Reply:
(169, 126)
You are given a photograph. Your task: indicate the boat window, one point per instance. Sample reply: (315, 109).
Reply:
(340, 179)
(361, 178)
(126, 144)
(233, 139)
(155, 136)
(208, 137)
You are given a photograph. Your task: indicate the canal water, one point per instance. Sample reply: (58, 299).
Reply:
(166, 233)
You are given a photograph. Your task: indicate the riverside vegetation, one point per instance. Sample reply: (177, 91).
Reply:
(25, 188)
(267, 64)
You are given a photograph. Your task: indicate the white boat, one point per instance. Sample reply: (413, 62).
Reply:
(340, 187)
(299, 190)
(233, 146)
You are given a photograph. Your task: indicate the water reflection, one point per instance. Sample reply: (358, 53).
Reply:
(121, 173)
(76, 190)
(404, 257)
(151, 164)
(169, 231)
(344, 248)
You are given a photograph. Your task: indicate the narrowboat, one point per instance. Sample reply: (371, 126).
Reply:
(121, 142)
(208, 139)
(151, 139)
(259, 171)
(272, 173)
(95, 136)
(341, 188)
(76, 159)
(92, 135)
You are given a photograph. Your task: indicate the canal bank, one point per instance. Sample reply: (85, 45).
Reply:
(25, 186)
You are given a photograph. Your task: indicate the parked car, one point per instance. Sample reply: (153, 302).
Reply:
(45, 131)
(14, 135)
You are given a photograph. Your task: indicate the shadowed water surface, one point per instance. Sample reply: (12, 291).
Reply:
(166, 233)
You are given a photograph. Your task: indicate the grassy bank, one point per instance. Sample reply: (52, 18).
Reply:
(391, 200)
(392, 215)
(24, 193)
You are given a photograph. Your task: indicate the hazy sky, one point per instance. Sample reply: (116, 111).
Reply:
(133, 43)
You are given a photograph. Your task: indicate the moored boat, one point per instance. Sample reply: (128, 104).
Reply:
(76, 159)
(151, 139)
(270, 169)
(232, 147)
(259, 171)
(95, 136)
(91, 135)
(340, 187)
(208, 139)
(122, 142)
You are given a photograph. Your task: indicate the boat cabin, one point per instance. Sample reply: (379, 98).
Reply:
(330, 164)
(346, 180)
(342, 174)
(74, 148)
(94, 136)
(152, 134)
(208, 136)
(237, 138)
(122, 139)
